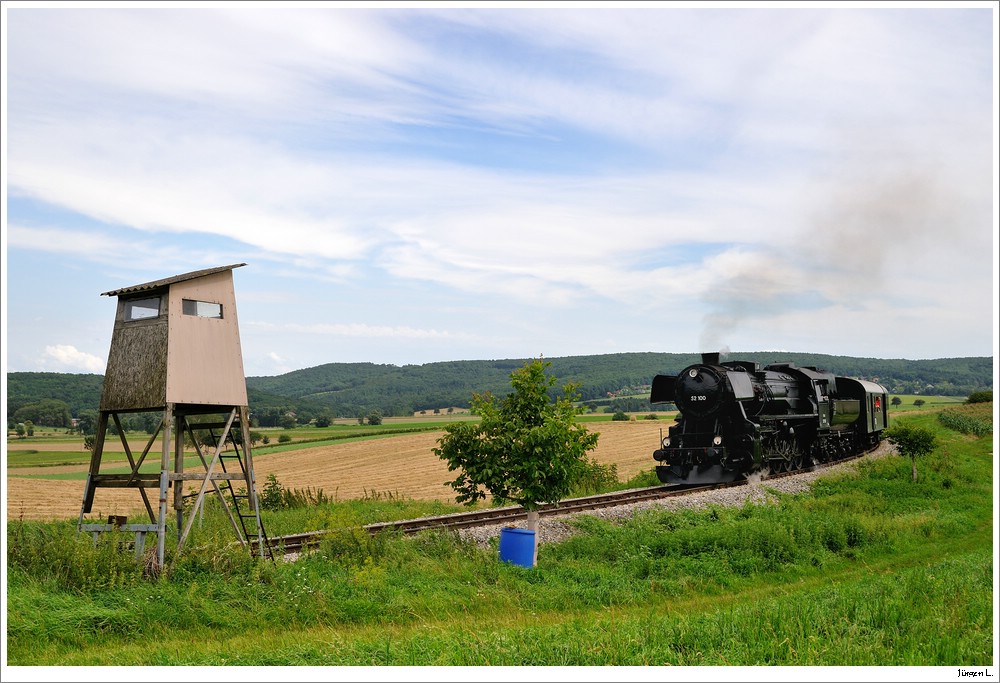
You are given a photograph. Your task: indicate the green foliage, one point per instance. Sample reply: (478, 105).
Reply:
(973, 418)
(593, 478)
(269, 411)
(643, 479)
(353, 547)
(73, 561)
(619, 417)
(526, 449)
(79, 392)
(147, 422)
(911, 442)
(86, 422)
(350, 389)
(981, 397)
(273, 496)
(49, 412)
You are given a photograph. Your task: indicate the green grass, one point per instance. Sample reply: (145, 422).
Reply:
(907, 402)
(41, 458)
(869, 569)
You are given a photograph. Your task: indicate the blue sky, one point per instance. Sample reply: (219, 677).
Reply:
(410, 185)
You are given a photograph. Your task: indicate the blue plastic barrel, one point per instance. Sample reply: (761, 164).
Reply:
(517, 546)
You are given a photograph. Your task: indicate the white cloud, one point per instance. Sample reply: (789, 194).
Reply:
(641, 165)
(360, 330)
(67, 358)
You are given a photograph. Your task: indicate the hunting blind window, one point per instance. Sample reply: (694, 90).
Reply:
(202, 309)
(142, 309)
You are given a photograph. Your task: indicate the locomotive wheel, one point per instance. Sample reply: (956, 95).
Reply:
(784, 457)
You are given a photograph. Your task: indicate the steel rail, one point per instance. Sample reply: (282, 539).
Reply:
(458, 520)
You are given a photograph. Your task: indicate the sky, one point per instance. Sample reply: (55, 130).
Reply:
(418, 184)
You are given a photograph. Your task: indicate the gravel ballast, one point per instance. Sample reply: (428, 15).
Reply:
(553, 529)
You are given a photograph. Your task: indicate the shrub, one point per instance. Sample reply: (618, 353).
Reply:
(274, 496)
(271, 497)
(911, 442)
(594, 478)
(643, 479)
(985, 396)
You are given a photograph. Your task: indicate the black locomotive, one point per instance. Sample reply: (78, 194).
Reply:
(737, 419)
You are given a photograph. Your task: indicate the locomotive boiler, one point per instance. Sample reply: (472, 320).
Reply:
(737, 418)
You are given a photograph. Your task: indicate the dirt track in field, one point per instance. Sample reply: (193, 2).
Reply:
(403, 465)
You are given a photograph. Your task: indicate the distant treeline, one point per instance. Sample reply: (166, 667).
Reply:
(610, 381)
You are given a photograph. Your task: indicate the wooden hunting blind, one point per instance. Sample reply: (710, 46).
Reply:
(175, 349)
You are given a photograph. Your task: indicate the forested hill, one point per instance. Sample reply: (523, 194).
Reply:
(352, 389)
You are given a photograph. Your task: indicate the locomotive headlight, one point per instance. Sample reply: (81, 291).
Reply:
(666, 442)
(717, 441)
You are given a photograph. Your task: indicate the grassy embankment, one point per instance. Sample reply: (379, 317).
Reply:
(868, 569)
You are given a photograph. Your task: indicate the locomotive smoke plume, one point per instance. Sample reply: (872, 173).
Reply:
(840, 255)
(853, 237)
(740, 296)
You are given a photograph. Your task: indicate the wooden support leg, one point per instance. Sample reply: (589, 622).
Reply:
(161, 540)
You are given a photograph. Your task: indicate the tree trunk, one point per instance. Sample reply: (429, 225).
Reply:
(913, 462)
(533, 526)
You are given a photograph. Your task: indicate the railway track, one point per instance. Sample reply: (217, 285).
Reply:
(458, 520)
(298, 542)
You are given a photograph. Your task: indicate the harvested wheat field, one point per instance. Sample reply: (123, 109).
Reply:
(403, 465)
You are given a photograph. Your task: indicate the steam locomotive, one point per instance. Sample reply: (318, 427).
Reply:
(737, 419)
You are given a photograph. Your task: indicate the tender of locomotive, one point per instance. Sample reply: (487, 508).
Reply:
(736, 418)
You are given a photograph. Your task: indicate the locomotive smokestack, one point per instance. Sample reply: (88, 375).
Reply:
(710, 358)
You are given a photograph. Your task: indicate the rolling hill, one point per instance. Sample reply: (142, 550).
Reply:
(352, 389)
